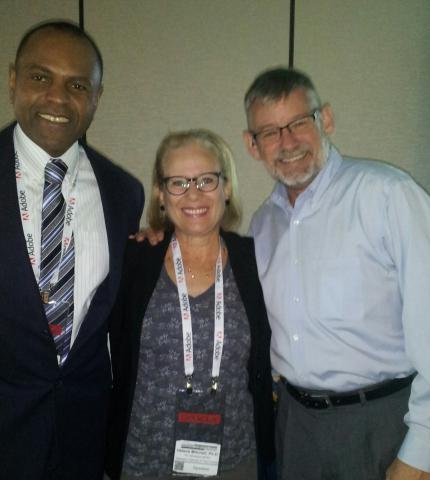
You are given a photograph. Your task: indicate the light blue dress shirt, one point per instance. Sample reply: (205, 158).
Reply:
(346, 281)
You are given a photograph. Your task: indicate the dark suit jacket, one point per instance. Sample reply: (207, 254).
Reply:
(52, 420)
(142, 268)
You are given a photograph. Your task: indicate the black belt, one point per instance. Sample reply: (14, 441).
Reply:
(313, 399)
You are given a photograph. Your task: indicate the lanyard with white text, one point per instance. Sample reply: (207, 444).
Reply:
(187, 332)
(28, 221)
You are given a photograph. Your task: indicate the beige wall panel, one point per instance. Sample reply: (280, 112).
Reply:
(180, 64)
(371, 60)
(17, 16)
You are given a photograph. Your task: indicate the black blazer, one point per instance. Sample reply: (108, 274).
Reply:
(142, 268)
(52, 419)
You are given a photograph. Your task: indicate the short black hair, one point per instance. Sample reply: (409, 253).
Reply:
(61, 26)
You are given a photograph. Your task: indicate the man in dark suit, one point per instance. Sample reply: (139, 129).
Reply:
(55, 373)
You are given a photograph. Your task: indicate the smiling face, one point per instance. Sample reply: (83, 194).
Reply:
(194, 213)
(54, 88)
(297, 158)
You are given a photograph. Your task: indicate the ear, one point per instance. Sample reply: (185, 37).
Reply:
(160, 194)
(100, 92)
(226, 189)
(12, 82)
(251, 145)
(327, 118)
(97, 95)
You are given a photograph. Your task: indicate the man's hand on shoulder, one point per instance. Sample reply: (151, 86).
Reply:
(153, 236)
(402, 471)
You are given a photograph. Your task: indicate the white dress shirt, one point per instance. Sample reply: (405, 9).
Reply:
(90, 237)
(346, 281)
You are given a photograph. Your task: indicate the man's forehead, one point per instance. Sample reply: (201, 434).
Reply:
(50, 35)
(296, 102)
(51, 48)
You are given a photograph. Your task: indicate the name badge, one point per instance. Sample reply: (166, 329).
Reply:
(199, 425)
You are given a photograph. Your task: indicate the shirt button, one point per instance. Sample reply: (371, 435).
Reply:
(296, 222)
(296, 299)
(296, 261)
(295, 337)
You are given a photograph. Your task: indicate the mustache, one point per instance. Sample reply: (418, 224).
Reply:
(287, 155)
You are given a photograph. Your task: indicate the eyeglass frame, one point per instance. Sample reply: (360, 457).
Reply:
(194, 180)
(313, 113)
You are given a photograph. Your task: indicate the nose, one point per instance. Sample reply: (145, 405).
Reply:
(193, 187)
(288, 139)
(57, 92)
(192, 190)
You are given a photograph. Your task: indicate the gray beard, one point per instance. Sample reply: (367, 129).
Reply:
(311, 173)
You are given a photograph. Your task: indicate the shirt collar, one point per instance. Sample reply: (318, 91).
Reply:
(35, 158)
(316, 189)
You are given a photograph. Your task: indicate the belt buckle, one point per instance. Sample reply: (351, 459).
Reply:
(323, 402)
(319, 402)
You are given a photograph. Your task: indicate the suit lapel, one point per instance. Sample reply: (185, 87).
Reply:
(15, 262)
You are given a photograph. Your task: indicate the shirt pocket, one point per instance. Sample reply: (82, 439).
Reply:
(334, 289)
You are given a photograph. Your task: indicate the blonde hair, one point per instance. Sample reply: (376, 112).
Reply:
(214, 144)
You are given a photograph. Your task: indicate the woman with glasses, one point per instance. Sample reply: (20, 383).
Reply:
(189, 336)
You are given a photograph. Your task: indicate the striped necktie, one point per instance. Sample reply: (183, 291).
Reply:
(56, 271)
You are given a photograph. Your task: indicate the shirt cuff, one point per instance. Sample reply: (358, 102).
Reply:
(415, 450)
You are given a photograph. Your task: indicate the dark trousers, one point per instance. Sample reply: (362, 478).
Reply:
(352, 442)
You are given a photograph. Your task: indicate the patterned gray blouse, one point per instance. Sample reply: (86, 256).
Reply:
(149, 449)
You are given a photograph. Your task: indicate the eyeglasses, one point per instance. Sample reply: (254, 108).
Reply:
(272, 135)
(206, 182)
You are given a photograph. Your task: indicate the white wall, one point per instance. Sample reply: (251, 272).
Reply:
(182, 64)
(173, 64)
(371, 60)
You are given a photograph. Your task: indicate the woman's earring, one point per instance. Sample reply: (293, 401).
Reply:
(162, 208)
